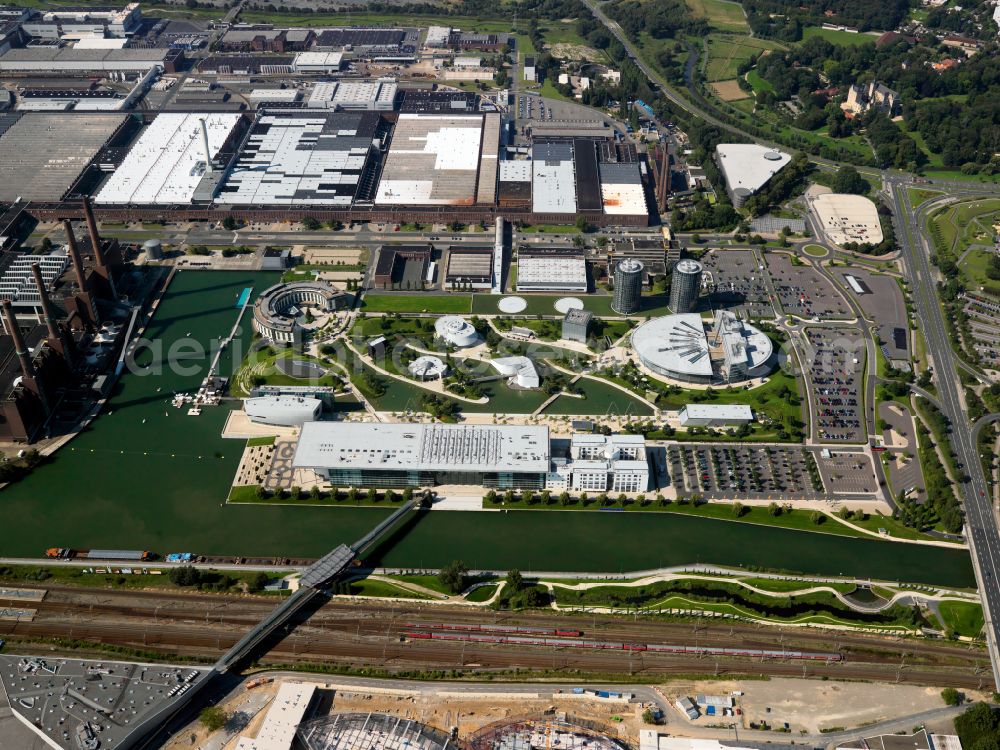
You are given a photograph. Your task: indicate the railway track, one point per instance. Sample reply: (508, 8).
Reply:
(346, 630)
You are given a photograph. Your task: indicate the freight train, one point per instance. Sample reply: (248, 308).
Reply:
(664, 648)
(487, 628)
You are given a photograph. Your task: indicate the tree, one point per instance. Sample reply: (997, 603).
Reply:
(648, 717)
(185, 575)
(229, 223)
(739, 509)
(816, 517)
(774, 509)
(514, 581)
(951, 696)
(258, 582)
(453, 576)
(213, 718)
(848, 180)
(311, 224)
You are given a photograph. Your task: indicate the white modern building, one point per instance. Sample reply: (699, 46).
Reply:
(366, 454)
(287, 711)
(551, 270)
(317, 62)
(680, 347)
(520, 371)
(427, 367)
(715, 415)
(848, 218)
(456, 331)
(283, 411)
(599, 463)
(747, 167)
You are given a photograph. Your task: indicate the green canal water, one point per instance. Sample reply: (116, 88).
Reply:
(147, 476)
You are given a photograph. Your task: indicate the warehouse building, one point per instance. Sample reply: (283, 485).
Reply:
(435, 159)
(317, 62)
(622, 192)
(551, 269)
(425, 455)
(84, 22)
(514, 189)
(715, 415)
(379, 95)
(44, 155)
(401, 266)
(553, 179)
(304, 158)
(747, 167)
(168, 163)
(382, 45)
(601, 463)
(425, 101)
(52, 59)
(469, 268)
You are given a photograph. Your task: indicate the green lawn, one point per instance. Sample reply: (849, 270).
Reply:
(726, 52)
(260, 441)
(482, 594)
(383, 589)
(815, 251)
(837, 37)
(544, 304)
(757, 83)
(963, 618)
(723, 15)
(415, 303)
(975, 264)
(781, 585)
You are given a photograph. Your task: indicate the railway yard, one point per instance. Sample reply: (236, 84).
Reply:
(412, 638)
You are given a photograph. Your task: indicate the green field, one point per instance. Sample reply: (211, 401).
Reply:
(417, 303)
(962, 618)
(757, 83)
(544, 304)
(833, 36)
(816, 251)
(726, 52)
(723, 15)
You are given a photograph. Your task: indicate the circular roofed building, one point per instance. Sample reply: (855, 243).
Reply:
(684, 347)
(277, 310)
(456, 331)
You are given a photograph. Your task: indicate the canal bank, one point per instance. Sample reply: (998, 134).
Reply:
(145, 475)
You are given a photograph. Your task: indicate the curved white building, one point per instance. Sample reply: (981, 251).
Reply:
(683, 347)
(283, 411)
(456, 331)
(427, 367)
(275, 315)
(521, 371)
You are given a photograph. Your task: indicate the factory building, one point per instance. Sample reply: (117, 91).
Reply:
(550, 269)
(50, 59)
(747, 167)
(628, 287)
(378, 95)
(685, 286)
(305, 63)
(262, 39)
(599, 463)
(715, 415)
(469, 268)
(401, 266)
(425, 455)
(81, 23)
(304, 158)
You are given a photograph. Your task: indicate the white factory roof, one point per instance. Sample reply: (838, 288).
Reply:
(354, 93)
(274, 407)
(432, 160)
(749, 166)
(719, 411)
(676, 343)
(437, 36)
(273, 95)
(311, 159)
(283, 718)
(515, 171)
(553, 186)
(99, 42)
(522, 369)
(318, 60)
(428, 447)
(848, 218)
(163, 165)
(558, 272)
(623, 199)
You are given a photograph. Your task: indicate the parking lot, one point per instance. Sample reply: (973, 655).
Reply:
(882, 302)
(848, 472)
(737, 283)
(984, 321)
(836, 371)
(803, 292)
(727, 472)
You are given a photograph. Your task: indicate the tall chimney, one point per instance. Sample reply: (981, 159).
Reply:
(204, 142)
(81, 277)
(43, 295)
(10, 321)
(95, 238)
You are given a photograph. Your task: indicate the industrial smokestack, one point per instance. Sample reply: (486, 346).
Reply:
(95, 238)
(204, 142)
(43, 295)
(10, 321)
(81, 277)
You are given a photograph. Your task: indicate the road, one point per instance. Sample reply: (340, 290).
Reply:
(981, 523)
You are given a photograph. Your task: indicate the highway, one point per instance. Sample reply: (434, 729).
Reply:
(981, 523)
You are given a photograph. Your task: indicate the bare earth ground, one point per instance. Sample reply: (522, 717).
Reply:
(568, 51)
(729, 91)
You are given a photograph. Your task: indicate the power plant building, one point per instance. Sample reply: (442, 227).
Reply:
(685, 286)
(628, 287)
(425, 455)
